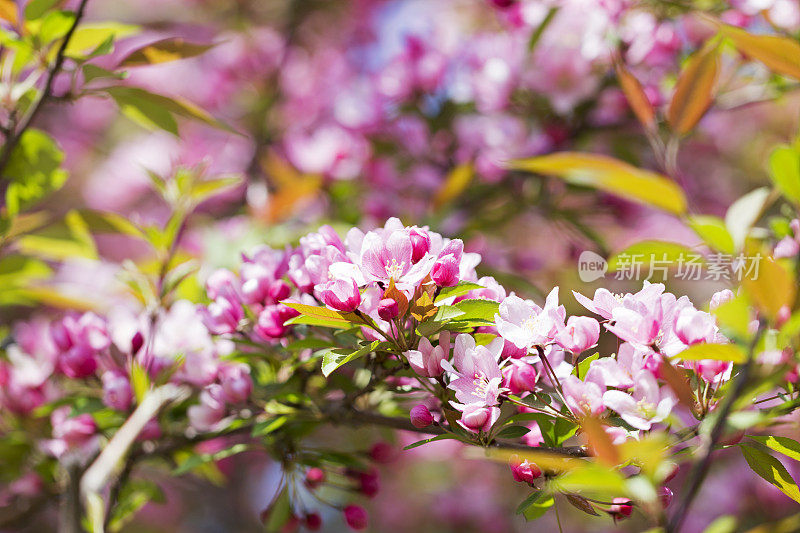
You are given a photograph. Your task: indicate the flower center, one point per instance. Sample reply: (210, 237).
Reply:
(481, 383)
(394, 269)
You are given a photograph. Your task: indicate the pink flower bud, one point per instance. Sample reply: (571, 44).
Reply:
(314, 477)
(383, 452)
(421, 417)
(476, 417)
(236, 383)
(445, 271)
(520, 376)
(523, 470)
(312, 521)
(137, 342)
(388, 309)
(665, 495)
(420, 243)
(369, 483)
(60, 336)
(222, 315)
(621, 508)
(117, 392)
(721, 297)
(150, 431)
(340, 294)
(78, 362)
(279, 290)
(356, 517)
(693, 326)
(580, 333)
(270, 323)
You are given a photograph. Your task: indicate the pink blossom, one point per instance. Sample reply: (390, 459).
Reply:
(693, 326)
(526, 324)
(520, 376)
(207, 415)
(721, 297)
(117, 392)
(580, 334)
(647, 405)
(236, 382)
(476, 376)
(222, 316)
(583, 397)
(340, 294)
(78, 362)
(427, 359)
(445, 271)
(389, 257)
(477, 417)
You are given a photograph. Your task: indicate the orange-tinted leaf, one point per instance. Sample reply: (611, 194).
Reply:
(423, 307)
(636, 96)
(457, 180)
(9, 11)
(770, 286)
(694, 91)
(163, 51)
(599, 441)
(780, 54)
(678, 383)
(398, 296)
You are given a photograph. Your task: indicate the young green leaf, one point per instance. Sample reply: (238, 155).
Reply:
(771, 470)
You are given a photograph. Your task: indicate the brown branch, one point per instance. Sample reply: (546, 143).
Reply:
(16, 134)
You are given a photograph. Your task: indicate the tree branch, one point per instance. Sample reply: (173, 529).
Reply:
(15, 134)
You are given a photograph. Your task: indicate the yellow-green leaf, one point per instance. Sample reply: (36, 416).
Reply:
(610, 175)
(324, 313)
(785, 445)
(771, 288)
(717, 352)
(784, 165)
(456, 182)
(743, 213)
(694, 91)
(771, 470)
(713, 232)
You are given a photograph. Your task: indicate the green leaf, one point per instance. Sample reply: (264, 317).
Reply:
(535, 505)
(583, 367)
(106, 222)
(771, 470)
(93, 72)
(97, 38)
(55, 25)
(512, 432)
(170, 49)
(197, 459)
(34, 169)
(785, 445)
(36, 8)
(444, 315)
(322, 314)
(723, 524)
(133, 495)
(716, 352)
(735, 316)
(443, 436)
(662, 253)
(71, 238)
(19, 270)
(477, 309)
(610, 175)
(336, 357)
(262, 429)
(784, 164)
(713, 232)
(203, 190)
(744, 213)
(140, 381)
(592, 478)
(462, 288)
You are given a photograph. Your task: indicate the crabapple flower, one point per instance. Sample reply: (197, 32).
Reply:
(523, 470)
(477, 417)
(222, 316)
(580, 333)
(421, 416)
(78, 362)
(117, 392)
(526, 324)
(520, 376)
(236, 382)
(445, 271)
(583, 397)
(648, 404)
(427, 360)
(340, 294)
(476, 376)
(720, 297)
(693, 326)
(207, 415)
(420, 243)
(390, 257)
(70, 433)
